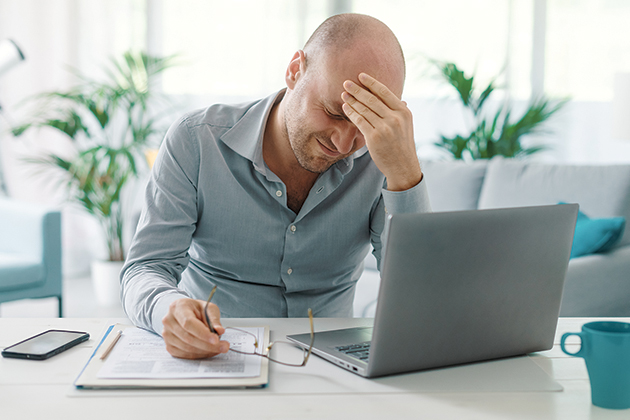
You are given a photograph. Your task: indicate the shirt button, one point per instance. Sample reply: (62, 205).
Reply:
(293, 228)
(279, 193)
(289, 271)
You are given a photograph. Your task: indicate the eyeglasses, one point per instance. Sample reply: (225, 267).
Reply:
(275, 344)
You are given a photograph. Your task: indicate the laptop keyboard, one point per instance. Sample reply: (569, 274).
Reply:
(359, 351)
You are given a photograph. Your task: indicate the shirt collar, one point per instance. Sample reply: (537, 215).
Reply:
(246, 135)
(251, 125)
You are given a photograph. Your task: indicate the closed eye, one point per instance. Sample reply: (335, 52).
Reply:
(335, 116)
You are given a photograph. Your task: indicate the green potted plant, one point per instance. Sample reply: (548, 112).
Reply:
(110, 124)
(492, 133)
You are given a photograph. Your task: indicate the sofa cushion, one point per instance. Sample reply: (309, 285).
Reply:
(20, 272)
(601, 191)
(454, 185)
(595, 235)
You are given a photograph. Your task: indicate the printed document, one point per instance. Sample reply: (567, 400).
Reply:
(140, 354)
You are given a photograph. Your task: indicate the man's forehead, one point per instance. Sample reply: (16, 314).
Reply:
(330, 92)
(348, 63)
(329, 89)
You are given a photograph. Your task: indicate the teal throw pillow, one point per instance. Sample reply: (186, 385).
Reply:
(595, 235)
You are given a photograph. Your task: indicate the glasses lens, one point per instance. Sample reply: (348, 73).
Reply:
(287, 353)
(242, 341)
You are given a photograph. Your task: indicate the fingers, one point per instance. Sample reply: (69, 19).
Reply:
(215, 318)
(186, 334)
(387, 125)
(358, 119)
(362, 107)
(184, 350)
(373, 102)
(356, 96)
(376, 90)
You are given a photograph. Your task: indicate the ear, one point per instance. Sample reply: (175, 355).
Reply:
(296, 69)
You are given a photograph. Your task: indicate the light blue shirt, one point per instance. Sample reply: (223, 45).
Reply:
(215, 214)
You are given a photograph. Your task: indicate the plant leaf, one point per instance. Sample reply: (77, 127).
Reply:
(109, 123)
(494, 134)
(459, 81)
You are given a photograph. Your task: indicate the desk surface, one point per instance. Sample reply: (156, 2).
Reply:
(30, 389)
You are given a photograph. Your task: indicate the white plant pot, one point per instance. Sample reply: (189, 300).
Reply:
(105, 278)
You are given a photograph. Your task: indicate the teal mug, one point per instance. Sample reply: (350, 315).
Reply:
(605, 347)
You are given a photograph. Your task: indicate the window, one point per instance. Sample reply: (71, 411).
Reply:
(587, 42)
(242, 47)
(473, 35)
(235, 48)
(239, 49)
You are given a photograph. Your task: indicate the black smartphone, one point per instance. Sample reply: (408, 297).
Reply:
(45, 345)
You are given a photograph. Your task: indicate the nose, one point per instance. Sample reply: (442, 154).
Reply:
(346, 137)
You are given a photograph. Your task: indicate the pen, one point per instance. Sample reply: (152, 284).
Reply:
(111, 345)
(205, 310)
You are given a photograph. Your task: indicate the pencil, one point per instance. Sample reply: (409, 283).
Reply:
(111, 345)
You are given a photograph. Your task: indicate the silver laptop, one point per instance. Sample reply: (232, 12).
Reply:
(460, 287)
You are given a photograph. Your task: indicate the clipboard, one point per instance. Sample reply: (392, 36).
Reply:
(88, 377)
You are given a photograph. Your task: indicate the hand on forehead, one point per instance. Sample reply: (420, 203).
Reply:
(349, 64)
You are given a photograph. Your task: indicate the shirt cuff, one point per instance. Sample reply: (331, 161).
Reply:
(161, 309)
(413, 200)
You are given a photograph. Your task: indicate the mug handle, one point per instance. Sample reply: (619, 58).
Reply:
(581, 352)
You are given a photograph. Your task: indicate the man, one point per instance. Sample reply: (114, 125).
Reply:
(276, 202)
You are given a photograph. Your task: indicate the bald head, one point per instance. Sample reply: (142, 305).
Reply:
(352, 32)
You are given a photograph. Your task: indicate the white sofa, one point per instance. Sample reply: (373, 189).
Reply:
(596, 284)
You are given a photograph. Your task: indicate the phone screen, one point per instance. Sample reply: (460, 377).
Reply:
(46, 344)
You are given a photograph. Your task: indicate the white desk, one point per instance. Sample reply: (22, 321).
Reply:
(42, 389)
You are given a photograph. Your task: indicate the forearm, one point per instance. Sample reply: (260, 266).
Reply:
(414, 200)
(146, 294)
(406, 176)
(159, 252)
(157, 257)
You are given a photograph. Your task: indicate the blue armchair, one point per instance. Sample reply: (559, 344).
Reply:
(30, 252)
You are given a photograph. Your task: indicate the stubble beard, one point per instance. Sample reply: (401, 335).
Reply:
(300, 140)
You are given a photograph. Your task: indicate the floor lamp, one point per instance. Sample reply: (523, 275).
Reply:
(10, 56)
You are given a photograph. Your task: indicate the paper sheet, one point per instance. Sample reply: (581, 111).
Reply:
(140, 354)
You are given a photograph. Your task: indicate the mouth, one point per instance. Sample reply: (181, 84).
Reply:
(327, 151)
